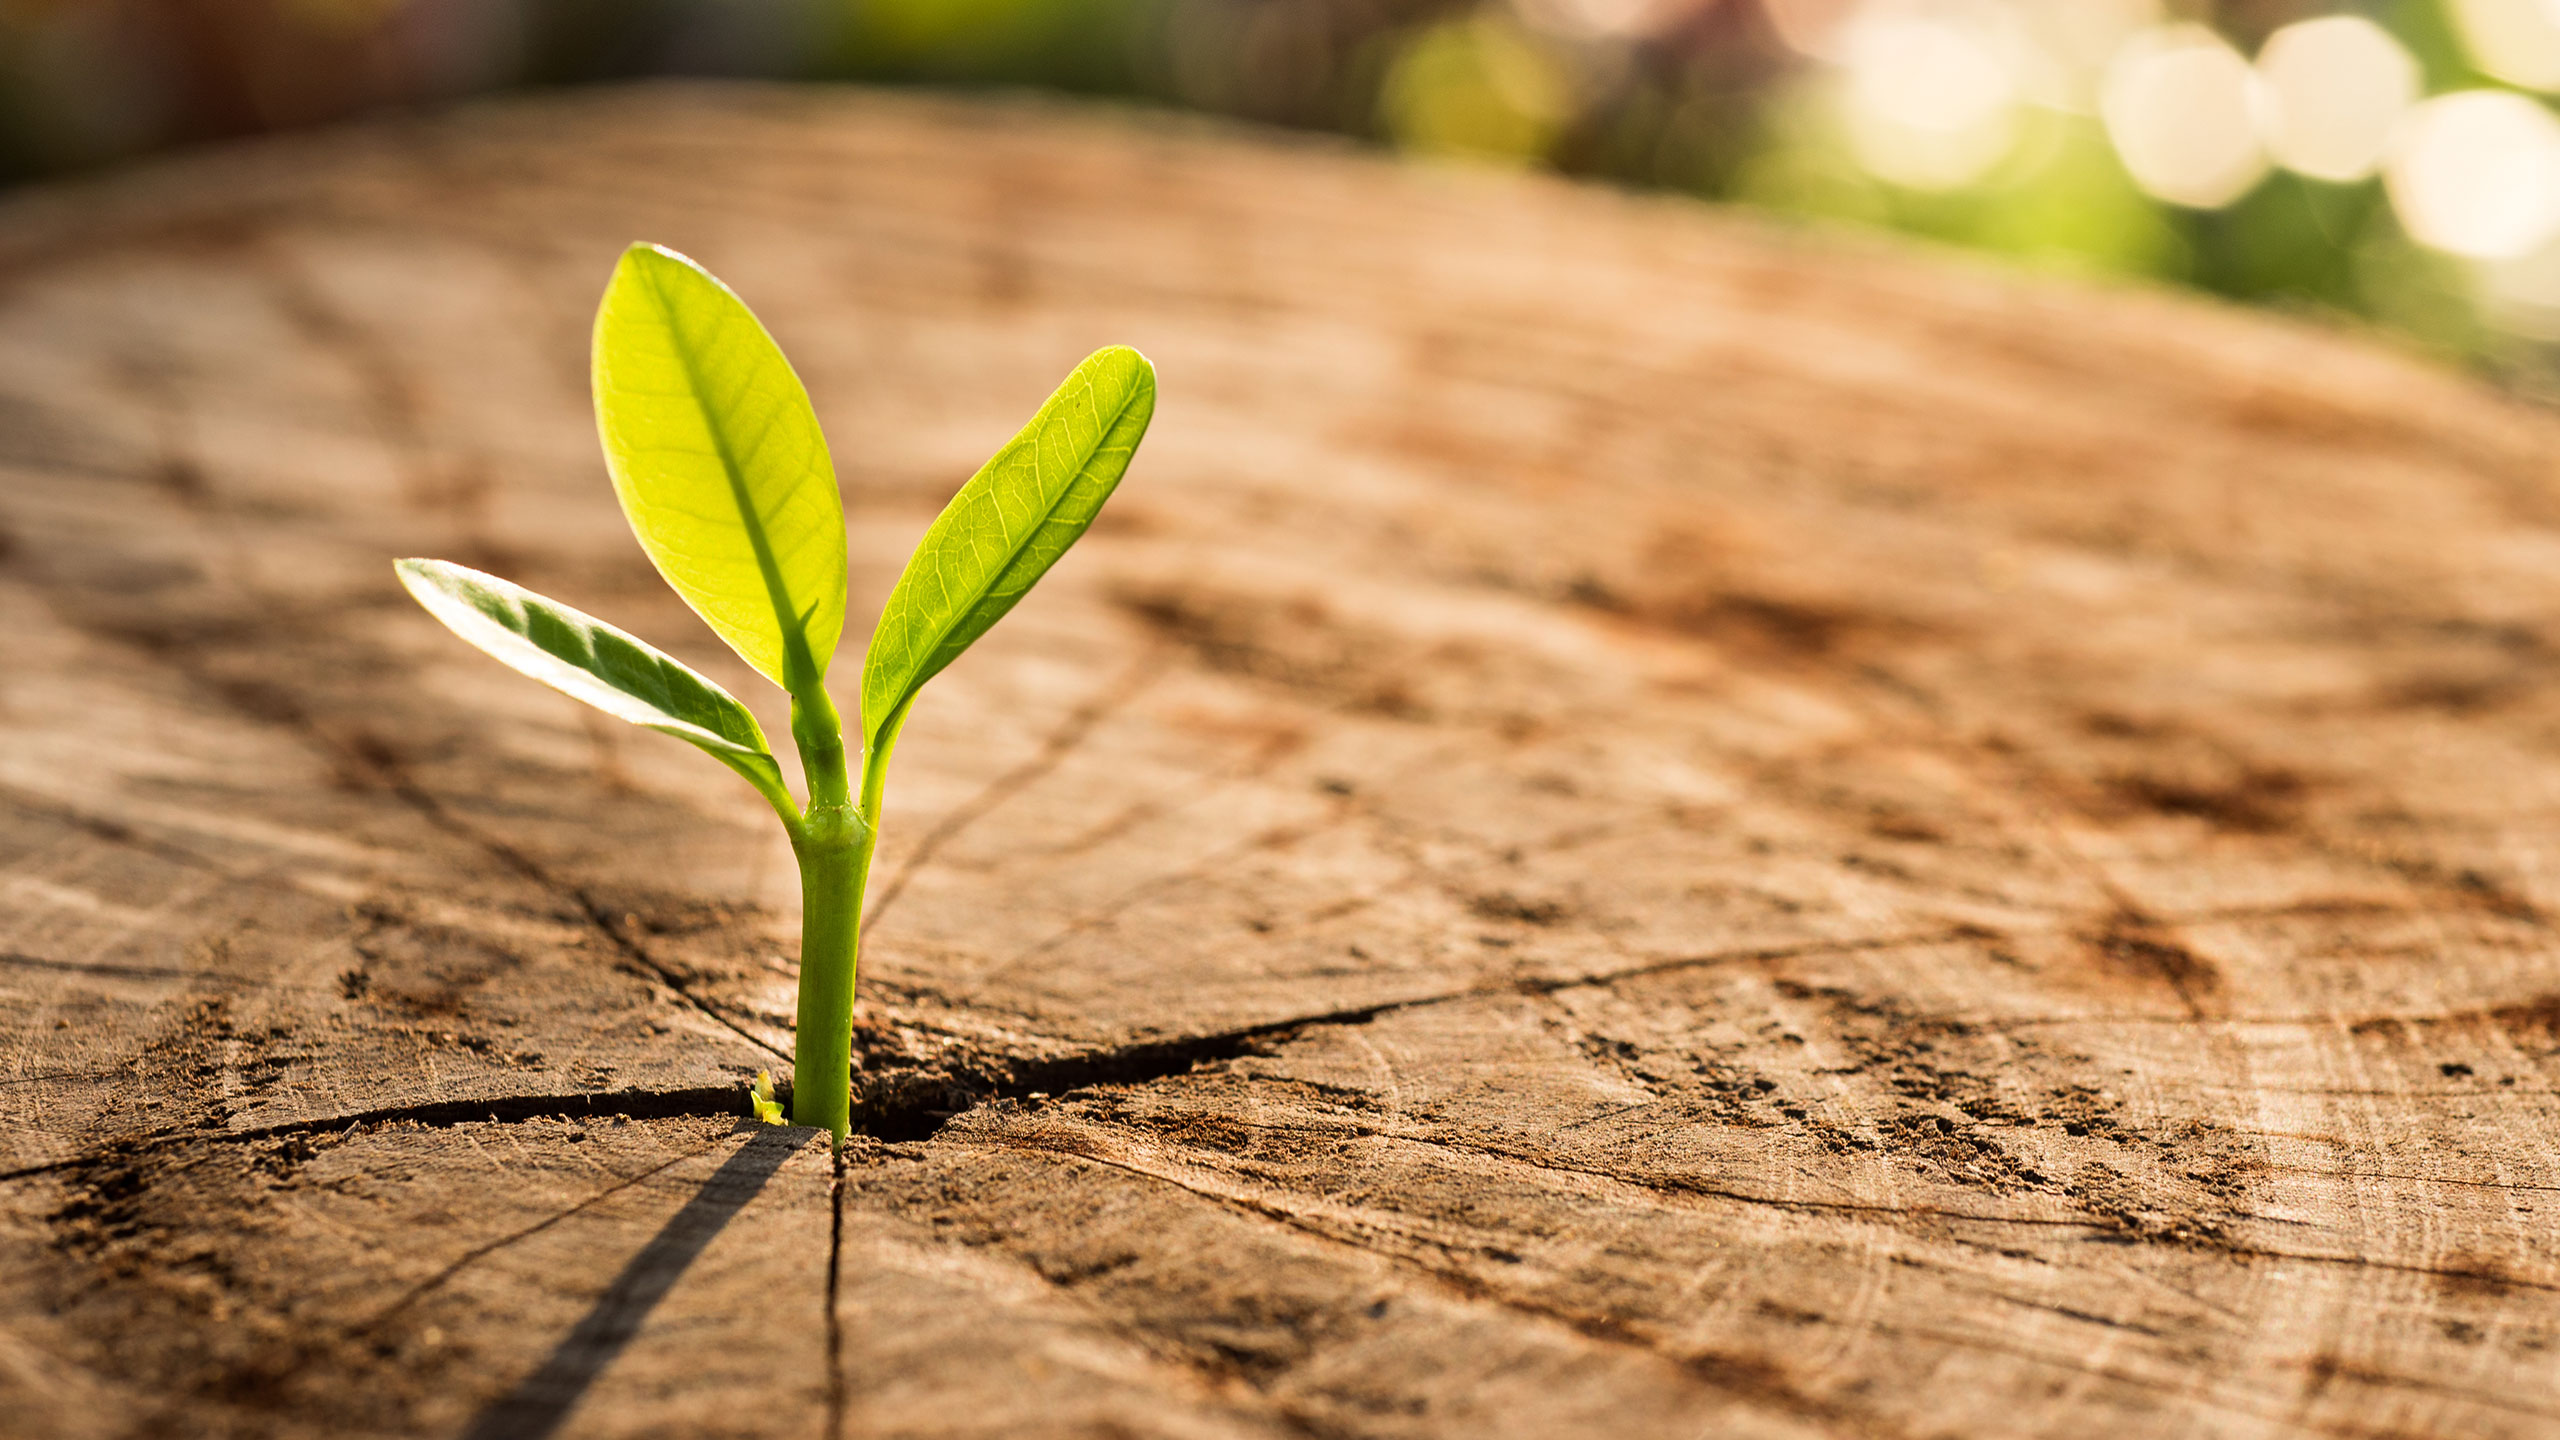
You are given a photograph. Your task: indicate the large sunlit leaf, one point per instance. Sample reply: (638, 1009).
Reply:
(1006, 527)
(579, 655)
(718, 461)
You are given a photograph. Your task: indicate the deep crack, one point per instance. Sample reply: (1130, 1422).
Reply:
(433, 812)
(687, 1102)
(921, 1104)
(836, 1396)
(374, 760)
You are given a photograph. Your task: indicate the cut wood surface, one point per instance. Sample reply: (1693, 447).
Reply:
(1634, 824)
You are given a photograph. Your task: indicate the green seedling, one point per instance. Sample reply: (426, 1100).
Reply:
(724, 476)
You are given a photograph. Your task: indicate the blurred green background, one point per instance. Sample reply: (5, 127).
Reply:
(2391, 165)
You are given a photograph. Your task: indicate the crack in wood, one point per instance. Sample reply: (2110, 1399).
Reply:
(837, 1396)
(906, 1117)
(541, 1402)
(108, 829)
(376, 761)
(1060, 743)
(1134, 1064)
(106, 968)
(697, 1102)
(1745, 664)
(1158, 886)
(2481, 1278)
(1701, 1190)
(615, 933)
(374, 1323)
(1742, 1377)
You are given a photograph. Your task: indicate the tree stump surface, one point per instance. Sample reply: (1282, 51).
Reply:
(1634, 824)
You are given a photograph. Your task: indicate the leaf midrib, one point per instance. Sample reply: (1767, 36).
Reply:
(796, 655)
(955, 614)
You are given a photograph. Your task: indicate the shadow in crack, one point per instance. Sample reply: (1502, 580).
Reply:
(536, 1407)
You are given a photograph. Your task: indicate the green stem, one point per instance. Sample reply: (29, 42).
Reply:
(833, 842)
(875, 764)
(833, 867)
(820, 736)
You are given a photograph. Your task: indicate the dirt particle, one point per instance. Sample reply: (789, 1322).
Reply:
(2138, 949)
(1778, 1310)
(2255, 800)
(1214, 1133)
(2467, 1274)
(1772, 627)
(2494, 896)
(184, 479)
(1503, 905)
(1757, 1378)
(1593, 593)
(2472, 887)
(2450, 694)
(2116, 725)
(1960, 1152)
(1895, 825)
(2537, 1019)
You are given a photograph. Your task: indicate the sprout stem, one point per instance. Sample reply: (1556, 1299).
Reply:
(835, 859)
(833, 842)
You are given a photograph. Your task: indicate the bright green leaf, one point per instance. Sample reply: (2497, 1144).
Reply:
(1005, 528)
(718, 461)
(579, 655)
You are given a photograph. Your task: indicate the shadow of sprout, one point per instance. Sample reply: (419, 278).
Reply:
(536, 1406)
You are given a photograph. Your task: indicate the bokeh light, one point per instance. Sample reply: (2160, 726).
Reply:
(2521, 294)
(1478, 88)
(1810, 27)
(2185, 113)
(1607, 19)
(2122, 137)
(2335, 88)
(2477, 174)
(2517, 41)
(1929, 92)
(2070, 42)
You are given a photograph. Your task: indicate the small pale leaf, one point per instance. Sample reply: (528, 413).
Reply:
(579, 655)
(1005, 528)
(719, 464)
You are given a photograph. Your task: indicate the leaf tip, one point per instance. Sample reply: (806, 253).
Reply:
(1127, 357)
(647, 257)
(641, 277)
(642, 252)
(1131, 369)
(415, 572)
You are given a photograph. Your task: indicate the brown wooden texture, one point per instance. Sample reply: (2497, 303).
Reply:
(1635, 824)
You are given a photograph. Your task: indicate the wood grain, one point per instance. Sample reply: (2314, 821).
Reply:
(1635, 823)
